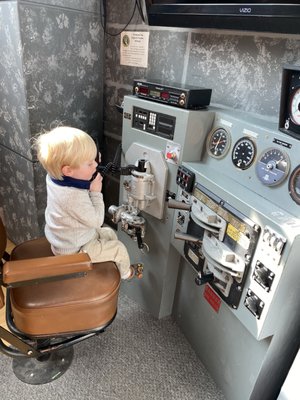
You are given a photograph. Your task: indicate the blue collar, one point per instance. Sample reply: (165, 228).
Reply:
(72, 182)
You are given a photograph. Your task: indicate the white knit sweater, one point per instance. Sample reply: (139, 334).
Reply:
(72, 217)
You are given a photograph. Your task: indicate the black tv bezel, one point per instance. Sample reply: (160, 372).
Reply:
(251, 16)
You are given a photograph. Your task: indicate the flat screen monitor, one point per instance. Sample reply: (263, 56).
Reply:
(260, 16)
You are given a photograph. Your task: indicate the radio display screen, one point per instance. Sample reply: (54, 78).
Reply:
(154, 93)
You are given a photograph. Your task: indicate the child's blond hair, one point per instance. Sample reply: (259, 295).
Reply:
(64, 146)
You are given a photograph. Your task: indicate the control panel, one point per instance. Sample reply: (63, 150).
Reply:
(228, 242)
(153, 122)
(233, 216)
(255, 154)
(239, 229)
(212, 210)
(156, 139)
(185, 178)
(177, 95)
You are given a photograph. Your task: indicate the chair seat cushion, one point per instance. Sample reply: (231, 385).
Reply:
(67, 306)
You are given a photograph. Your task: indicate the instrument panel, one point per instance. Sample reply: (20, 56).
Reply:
(256, 154)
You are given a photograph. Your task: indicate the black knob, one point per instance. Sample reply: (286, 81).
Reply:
(141, 165)
(198, 281)
(201, 280)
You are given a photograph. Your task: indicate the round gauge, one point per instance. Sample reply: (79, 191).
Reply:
(218, 143)
(243, 153)
(289, 116)
(294, 185)
(295, 106)
(273, 166)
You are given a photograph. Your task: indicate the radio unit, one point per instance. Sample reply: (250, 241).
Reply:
(184, 96)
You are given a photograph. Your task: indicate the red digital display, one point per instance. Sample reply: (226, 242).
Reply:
(164, 95)
(143, 90)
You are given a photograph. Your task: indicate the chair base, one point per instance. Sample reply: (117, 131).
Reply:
(34, 372)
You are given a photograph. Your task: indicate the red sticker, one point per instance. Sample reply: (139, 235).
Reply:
(212, 298)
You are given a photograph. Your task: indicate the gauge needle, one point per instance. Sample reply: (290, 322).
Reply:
(216, 144)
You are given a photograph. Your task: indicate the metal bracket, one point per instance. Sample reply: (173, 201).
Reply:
(12, 339)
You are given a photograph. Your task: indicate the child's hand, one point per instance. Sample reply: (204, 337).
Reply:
(96, 184)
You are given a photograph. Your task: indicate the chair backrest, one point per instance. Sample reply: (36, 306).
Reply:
(3, 243)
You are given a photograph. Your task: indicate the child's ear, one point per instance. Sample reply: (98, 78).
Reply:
(67, 170)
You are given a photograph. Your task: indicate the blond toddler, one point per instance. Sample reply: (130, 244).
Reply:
(75, 208)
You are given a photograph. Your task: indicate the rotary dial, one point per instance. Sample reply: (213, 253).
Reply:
(218, 143)
(294, 185)
(243, 153)
(272, 167)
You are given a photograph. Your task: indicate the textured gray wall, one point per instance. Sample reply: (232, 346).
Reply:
(51, 69)
(243, 69)
(62, 66)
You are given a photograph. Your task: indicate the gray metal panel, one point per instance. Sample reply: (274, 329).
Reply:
(264, 132)
(229, 352)
(259, 211)
(155, 292)
(246, 356)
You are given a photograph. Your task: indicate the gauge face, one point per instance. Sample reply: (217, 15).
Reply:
(295, 106)
(289, 116)
(243, 153)
(272, 167)
(218, 143)
(294, 185)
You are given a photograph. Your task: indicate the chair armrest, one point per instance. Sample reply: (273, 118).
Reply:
(21, 272)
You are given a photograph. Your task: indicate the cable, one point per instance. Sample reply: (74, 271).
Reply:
(140, 9)
(103, 14)
(114, 166)
(137, 5)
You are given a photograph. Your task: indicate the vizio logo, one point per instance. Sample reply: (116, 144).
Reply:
(245, 10)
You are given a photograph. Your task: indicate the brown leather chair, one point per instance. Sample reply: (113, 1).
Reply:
(52, 302)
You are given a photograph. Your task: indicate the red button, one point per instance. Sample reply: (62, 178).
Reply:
(171, 156)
